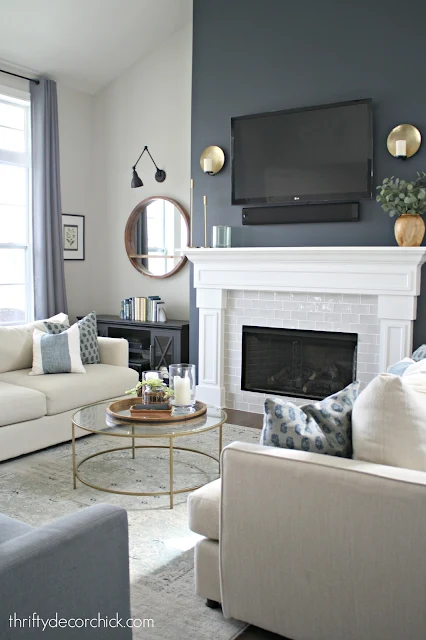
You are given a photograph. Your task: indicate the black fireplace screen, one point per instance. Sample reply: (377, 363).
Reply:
(289, 362)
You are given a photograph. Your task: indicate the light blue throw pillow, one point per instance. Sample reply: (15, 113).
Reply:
(318, 427)
(420, 353)
(89, 346)
(400, 367)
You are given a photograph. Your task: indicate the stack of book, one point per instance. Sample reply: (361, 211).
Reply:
(141, 309)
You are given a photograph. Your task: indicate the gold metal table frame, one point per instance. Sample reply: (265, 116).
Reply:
(134, 436)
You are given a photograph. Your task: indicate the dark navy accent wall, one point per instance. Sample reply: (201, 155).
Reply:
(259, 55)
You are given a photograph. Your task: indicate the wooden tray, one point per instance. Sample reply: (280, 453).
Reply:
(147, 414)
(120, 410)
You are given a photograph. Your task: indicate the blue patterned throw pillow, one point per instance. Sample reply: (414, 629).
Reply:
(420, 353)
(89, 347)
(318, 427)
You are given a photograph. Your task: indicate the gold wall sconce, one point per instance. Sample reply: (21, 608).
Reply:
(404, 141)
(212, 160)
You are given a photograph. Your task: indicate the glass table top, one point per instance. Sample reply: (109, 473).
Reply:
(94, 418)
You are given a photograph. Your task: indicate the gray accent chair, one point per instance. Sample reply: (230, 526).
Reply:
(76, 567)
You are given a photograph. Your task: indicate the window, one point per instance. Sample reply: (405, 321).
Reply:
(16, 273)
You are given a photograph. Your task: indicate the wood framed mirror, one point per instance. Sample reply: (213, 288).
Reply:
(155, 230)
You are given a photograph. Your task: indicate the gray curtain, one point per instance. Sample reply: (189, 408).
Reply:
(49, 280)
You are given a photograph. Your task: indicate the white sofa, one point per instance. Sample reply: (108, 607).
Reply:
(313, 547)
(35, 411)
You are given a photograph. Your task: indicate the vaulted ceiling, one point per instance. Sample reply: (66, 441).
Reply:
(86, 43)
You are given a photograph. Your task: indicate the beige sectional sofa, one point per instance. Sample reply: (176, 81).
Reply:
(35, 411)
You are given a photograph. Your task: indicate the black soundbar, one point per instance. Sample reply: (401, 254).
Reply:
(329, 212)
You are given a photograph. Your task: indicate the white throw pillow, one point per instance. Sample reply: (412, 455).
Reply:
(57, 353)
(16, 343)
(389, 422)
(415, 368)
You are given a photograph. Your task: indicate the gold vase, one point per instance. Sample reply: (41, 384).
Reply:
(409, 230)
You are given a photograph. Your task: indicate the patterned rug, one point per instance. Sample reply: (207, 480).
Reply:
(38, 488)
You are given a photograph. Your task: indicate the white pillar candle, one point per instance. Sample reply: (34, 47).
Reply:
(401, 148)
(208, 165)
(182, 391)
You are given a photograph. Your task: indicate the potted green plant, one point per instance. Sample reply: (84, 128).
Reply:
(407, 200)
(151, 391)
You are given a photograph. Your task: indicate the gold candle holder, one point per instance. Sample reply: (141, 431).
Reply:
(191, 212)
(205, 220)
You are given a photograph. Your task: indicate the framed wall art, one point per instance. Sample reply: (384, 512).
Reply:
(73, 236)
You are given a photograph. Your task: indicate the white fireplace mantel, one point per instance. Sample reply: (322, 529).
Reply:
(391, 273)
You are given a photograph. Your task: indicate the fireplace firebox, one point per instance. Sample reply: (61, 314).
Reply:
(290, 362)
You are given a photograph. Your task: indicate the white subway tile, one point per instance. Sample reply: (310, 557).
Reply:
(251, 295)
(266, 295)
(350, 318)
(298, 315)
(373, 368)
(360, 308)
(316, 297)
(342, 308)
(352, 298)
(243, 304)
(241, 406)
(282, 295)
(361, 367)
(298, 297)
(275, 323)
(291, 306)
(367, 339)
(374, 309)
(309, 307)
(332, 317)
(290, 324)
(324, 326)
(373, 328)
(324, 306)
(371, 358)
(333, 297)
(316, 316)
(259, 304)
(274, 304)
(368, 299)
(256, 408)
(308, 325)
(283, 315)
(368, 320)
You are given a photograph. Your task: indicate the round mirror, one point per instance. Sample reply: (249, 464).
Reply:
(155, 230)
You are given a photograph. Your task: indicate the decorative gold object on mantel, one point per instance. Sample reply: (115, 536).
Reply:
(404, 141)
(212, 160)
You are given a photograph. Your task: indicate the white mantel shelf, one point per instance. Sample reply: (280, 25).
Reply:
(391, 273)
(374, 270)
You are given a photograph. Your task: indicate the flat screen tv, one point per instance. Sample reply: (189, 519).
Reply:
(314, 154)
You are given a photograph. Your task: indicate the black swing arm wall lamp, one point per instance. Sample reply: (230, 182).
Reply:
(160, 175)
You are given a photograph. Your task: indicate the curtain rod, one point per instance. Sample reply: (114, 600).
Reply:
(18, 76)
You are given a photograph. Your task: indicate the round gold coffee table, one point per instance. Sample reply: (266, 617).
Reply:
(94, 419)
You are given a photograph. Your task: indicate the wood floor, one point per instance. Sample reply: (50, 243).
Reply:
(254, 633)
(244, 418)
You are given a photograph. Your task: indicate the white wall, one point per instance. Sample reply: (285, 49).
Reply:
(75, 145)
(149, 105)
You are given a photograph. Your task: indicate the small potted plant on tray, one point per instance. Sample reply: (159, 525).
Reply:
(151, 391)
(407, 200)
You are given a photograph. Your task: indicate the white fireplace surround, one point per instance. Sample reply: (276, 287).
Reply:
(390, 273)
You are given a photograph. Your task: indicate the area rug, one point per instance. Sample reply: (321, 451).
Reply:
(38, 488)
